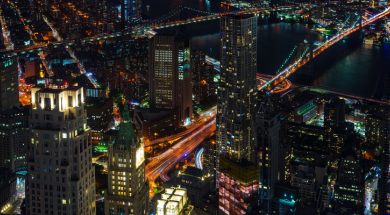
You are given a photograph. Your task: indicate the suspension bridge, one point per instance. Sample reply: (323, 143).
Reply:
(305, 58)
(152, 25)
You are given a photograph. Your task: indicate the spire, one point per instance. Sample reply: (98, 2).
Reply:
(269, 105)
(126, 135)
(261, 112)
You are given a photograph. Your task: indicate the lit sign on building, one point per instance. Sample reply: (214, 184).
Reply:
(140, 155)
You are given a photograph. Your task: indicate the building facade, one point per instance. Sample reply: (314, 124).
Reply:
(60, 175)
(209, 156)
(15, 130)
(8, 193)
(131, 12)
(203, 86)
(100, 116)
(237, 91)
(197, 184)
(128, 192)
(267, 151)
(334, 112)
(156, 123)
(238, 186)
(349, 187)
(170, 74)
(9, 91)
(305, 182)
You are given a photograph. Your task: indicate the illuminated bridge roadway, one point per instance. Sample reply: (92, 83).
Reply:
(142, 30)
(303, 60)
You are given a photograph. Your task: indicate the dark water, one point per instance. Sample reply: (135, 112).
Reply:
(348, 65)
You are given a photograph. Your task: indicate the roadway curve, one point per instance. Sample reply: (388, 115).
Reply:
(198, 158)
(190, 129)
(165, 161)
(262, 78)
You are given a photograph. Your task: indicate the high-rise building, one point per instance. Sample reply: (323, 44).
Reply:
(197, 184)
(237, 91)
(305, 181)
(337, 139)
(267, 151)
(349, 187)
(8, 193)
(9, 92)
(60, 176)
(14, 127)
(128, 192)
(377, 133)
(100, 115)
(209, 156)
(334, 112)
(203, 86)
(131, 12)
(238, 186)
(170, 74)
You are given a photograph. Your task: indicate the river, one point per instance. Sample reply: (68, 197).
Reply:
(348, 65)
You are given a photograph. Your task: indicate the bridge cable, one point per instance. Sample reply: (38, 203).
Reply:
(287, 59)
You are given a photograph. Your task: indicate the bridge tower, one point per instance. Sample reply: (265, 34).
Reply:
(306, 70)
(183, 16)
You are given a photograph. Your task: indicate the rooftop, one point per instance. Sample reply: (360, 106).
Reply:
(194, 172)
(96, 102)
(148, 114)
(55, 88)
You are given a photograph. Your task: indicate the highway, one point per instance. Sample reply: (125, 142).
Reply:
(189, 130)
(165, 161)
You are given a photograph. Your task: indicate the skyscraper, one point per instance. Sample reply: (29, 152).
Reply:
(334, 112)
(170, 74)
(237, 92)
(128, 192)
(14, 126)
(9, 92)
(268, 133)
(203, 86)
(131, 12)
(60, 176)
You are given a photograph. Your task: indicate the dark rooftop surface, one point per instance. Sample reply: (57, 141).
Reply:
(194, 171)
(96, 102)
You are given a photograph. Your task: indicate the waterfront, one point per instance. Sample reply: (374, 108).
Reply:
(348, 65)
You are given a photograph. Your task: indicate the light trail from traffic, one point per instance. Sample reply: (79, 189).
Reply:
(144, 30)
(42, 56)
(198, 158)
(71, 53)
(161, 164)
